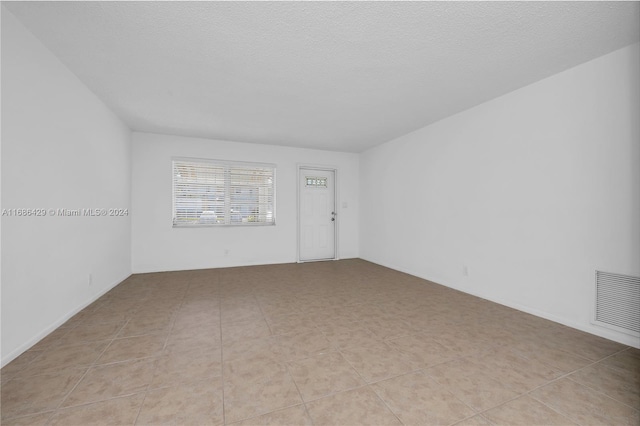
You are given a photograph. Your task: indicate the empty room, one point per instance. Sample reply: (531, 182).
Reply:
(320, 213)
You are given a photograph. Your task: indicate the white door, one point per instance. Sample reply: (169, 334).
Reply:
(317, 214)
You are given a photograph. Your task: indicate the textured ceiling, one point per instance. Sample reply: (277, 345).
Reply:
(342, 76)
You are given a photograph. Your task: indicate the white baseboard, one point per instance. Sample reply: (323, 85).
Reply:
(152, 270)
(44, 333)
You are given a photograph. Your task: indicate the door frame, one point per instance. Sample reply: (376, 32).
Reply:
(300, 168)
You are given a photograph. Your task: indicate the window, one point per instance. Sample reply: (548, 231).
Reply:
(317, 182)
(207, 192)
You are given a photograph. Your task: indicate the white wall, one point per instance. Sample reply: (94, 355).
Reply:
(532, 191)
(157, 246)
(61, 148)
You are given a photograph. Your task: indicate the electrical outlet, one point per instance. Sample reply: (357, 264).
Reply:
(90, 280)
(226, 252)
(465, 271)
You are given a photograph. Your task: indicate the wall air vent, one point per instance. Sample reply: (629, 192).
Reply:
(617, 302)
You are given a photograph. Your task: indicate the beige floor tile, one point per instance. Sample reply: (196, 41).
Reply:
(303, 345)
(617, 384)
(472, 386)
(281, 309)
(137, 347)
(477, 420)
(585, 406)
(108, 381)
(274, 334)
(418, 400)
(525, 411)
(202, 294)
(388, 327)
(399, 307)
(63, 357)
(355, 407)
(92, 332)
(459, 341)
(581, 343)
(51, 340)
(267, 347)
(110, 314)
(627, 361)
(372, 314)
(147, 324)
(296, 415)
(375, 363)
(167, 301)
(194, 339)
(291, 323)
(245, 330)
(564, 362)
(350, 334)
(249, 394)
(513, 370)
(434, 320)
(252, 369)
(197, 403)
(322, 313)
(493, 330)
(33, 420)
(38, 393)
(204, 322)
(323, 374)
(231, 314)
(20, 363)
(422, 351)
(119, 411)
(176, 367)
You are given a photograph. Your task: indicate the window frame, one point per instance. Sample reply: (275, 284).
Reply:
(227, 166)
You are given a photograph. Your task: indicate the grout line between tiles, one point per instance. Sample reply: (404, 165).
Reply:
(451, 393)
(367, 384)
(384, 403)
(231, 296)
(563, 376)
(604, 394)
(306, 410)
(24, 416)
(144, 398)
(92, 365)
(545, 404)
(224, 411)
(155, 367)
(598, 390)
(470, 417)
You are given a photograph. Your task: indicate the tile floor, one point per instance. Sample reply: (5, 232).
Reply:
(332, 343)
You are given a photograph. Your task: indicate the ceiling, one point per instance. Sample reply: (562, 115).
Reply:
(342, 76)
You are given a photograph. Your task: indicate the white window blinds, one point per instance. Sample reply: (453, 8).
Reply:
(222, 193)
